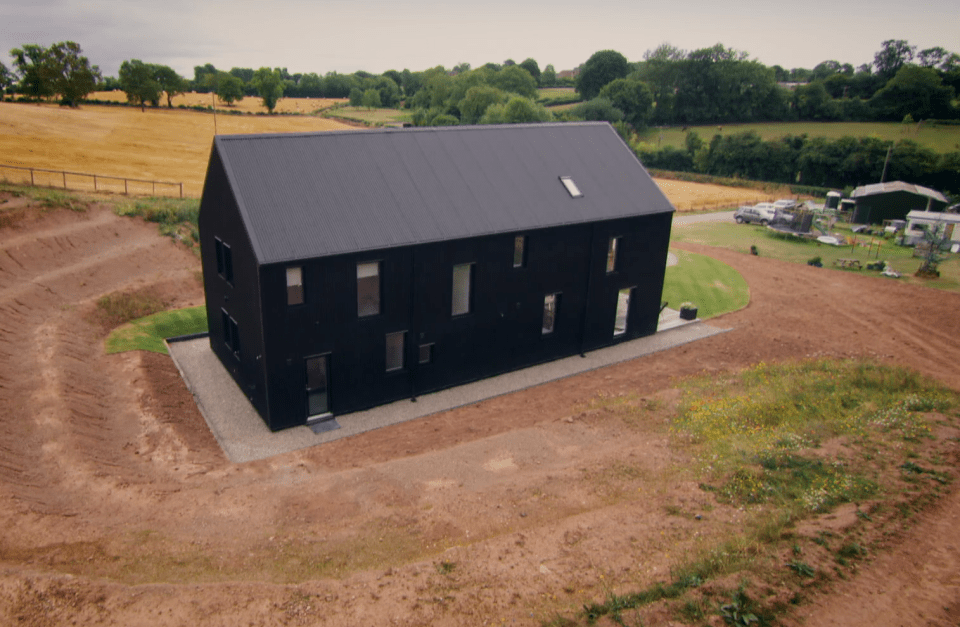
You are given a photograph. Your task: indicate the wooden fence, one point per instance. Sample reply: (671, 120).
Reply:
(79, 181)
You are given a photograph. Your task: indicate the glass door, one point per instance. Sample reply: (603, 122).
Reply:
(318, 385)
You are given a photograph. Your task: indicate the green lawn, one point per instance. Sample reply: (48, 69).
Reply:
(148, 333)
(711, 285)
(741, 237)
(945, 138)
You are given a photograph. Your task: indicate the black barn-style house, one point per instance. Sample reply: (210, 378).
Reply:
(345, 270)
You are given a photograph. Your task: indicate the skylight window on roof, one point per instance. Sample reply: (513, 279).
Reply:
(571, 186)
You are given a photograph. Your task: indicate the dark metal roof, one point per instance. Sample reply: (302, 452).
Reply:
(897, 186)
(317, 194)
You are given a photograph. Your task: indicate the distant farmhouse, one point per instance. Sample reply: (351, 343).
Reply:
(345, 270)
(892, 201)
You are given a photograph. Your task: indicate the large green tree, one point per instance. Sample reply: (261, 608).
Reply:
(138, 80)
(533, 67)
(632, 97)
(60, 70)
(269, 84)
(229, 88)
(893, 55)
(915, 91)
(6, 79)
(172, 83)
(601, 68)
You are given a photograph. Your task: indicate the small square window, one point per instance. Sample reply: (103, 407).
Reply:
(572, 188)
(295, 285)
(550, 304)
(426, 353)
(612, 253)
(520, 251)
(395, 350)
(368, 288)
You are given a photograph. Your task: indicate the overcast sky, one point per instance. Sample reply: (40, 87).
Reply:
(378, 35)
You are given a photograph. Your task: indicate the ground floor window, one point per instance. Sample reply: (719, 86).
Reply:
(231, 333)
(426, 353)
(550, 304)
(623, 311)
(395, 350)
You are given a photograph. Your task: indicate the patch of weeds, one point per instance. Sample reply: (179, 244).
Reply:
(692, 610)
(121, 307)
(852, 550)
(445, 568)
(802, 568)
(913, 468)
(740, 610)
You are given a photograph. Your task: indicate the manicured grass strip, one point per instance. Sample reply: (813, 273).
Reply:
(711, 285)
(148, 333)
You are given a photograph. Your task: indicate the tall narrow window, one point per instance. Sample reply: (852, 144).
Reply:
(550, 304)
(295, 285)
(368, 288)
(612, 251)
(461, 289)
(227, 263)
(520, 251)
(225, 323)
(623, 312)
(395, 350)
(218, 246)
(231, 333)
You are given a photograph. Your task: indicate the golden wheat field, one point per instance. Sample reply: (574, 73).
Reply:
(249, 104)
(173, 145)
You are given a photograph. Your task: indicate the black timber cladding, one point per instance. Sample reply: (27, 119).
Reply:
(319, 194)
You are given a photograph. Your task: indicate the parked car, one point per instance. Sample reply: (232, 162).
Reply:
(785, 203)
(762, 213)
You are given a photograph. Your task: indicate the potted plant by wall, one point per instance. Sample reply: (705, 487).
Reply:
(688, 311)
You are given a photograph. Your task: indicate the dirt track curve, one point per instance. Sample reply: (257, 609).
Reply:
(118, 508)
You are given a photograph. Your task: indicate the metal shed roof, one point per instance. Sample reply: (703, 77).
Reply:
(317, 194)
(897, 186)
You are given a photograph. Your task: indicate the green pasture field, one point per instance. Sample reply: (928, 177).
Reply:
(866, 249)
(148, 333)
(940, 138)
(711, 285)
(375, 117)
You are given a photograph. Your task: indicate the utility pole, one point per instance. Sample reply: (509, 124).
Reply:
(883, 177)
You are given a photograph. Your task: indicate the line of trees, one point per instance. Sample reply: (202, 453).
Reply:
(840, 163)
(668, 86)
(721, 85)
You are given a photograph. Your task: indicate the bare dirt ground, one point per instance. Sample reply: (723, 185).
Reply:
(118, 508)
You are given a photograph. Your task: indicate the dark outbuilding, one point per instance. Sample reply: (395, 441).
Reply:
(893, 201)
(346, 270)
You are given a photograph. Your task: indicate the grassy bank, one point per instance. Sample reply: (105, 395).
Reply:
(789, 445)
